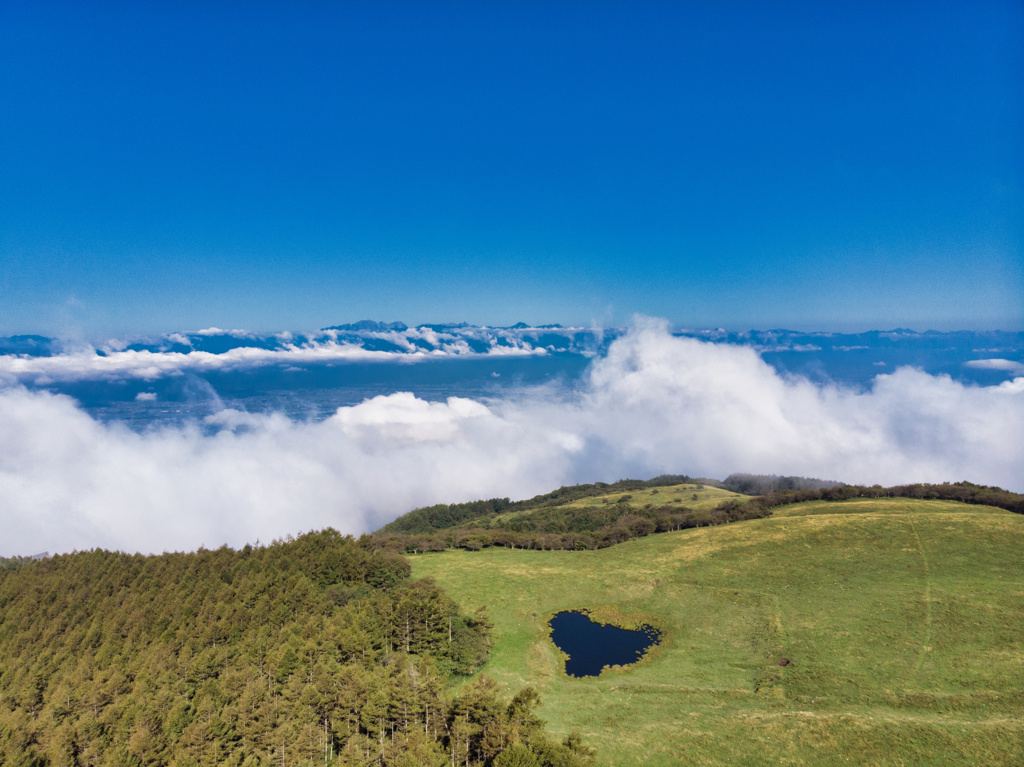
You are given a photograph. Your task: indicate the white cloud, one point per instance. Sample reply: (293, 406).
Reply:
(655, 403)
(147, 365)
(1008, 366)
(87, 365)
(214, 331)
(681, 405)
(402, 419)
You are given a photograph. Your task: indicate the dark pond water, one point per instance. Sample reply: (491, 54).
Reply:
(592, 646)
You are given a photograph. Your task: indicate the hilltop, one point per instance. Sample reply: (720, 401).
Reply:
(598, 515)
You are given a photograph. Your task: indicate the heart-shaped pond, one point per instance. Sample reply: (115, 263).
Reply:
(592, 646)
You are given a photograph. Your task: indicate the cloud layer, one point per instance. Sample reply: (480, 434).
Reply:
(149, 365)
(654, 403)
(215, 349)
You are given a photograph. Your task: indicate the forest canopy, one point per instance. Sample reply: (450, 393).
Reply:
(307, 651)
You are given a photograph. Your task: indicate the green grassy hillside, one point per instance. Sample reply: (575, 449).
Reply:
(578, 517)
(903, 621)
(539, 511)
(688, 495)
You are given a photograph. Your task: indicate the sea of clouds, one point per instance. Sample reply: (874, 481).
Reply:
(151, 358)
(653, 403)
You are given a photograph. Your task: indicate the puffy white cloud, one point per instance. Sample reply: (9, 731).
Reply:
(677, 404)
(402, 419)
(1009, 366)
(68, 481)
(655, 403)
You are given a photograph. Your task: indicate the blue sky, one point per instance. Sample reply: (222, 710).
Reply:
(268, 166)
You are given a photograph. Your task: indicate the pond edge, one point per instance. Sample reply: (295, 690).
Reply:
(608, 615)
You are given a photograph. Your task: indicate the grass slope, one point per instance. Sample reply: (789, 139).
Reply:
(707, 497)
(592, 501)
(903, 621)
(689, 496)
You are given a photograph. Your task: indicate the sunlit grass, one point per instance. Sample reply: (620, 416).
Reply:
(689, 496)
(902, 621)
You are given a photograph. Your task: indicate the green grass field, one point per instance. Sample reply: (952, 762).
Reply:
(690, 496)
(903, 622)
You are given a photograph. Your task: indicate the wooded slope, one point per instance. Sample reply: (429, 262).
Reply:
(308, 651)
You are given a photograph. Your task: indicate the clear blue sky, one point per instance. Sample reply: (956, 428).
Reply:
(289, 165)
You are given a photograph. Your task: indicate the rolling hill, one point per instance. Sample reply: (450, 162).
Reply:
(865, 631)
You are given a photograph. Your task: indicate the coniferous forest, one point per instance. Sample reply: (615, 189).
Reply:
(317, 650)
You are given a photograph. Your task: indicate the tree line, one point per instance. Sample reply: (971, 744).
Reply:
(572, 528)
(446, 515)
(579, 528)
(762, 484)
(964, 492)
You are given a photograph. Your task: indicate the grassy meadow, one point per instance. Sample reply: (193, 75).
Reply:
(690, 496)
(902, 621)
